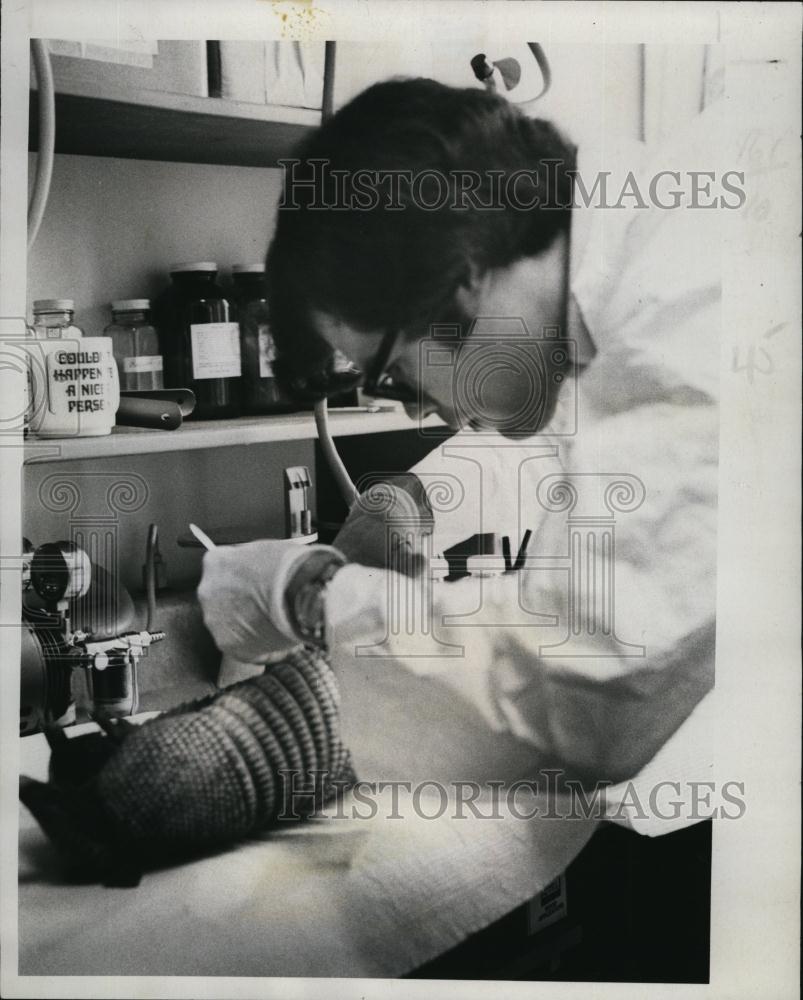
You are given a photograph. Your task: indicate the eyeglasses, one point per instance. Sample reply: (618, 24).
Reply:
(318, 385)
(340, 378)
(378, 382)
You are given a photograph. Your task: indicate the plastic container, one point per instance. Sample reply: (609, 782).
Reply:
(135, 344)
(260, 391)
(200, 340)
(53, 320)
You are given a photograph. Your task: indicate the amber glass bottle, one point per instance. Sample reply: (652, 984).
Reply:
(200, 340)
(261, 392)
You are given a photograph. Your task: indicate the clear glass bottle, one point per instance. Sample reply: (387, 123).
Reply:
(200, 340)
(74, 383)
(135, 344)
(261, 392)
(53, 320)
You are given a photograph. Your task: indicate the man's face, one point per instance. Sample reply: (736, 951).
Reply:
(491, 381)
(432, 385)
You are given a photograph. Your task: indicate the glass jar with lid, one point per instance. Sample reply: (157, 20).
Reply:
(135, 344)
(261, 392)
(200, 340)
(53, 320)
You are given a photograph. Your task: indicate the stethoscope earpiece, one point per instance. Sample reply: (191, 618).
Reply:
(511, 72)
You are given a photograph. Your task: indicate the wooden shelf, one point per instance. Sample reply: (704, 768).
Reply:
(202, 434)
(153, 125)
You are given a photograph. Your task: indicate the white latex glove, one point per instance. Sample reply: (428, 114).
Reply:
(388, 524)
(242, 596)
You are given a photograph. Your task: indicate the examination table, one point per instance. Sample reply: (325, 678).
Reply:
(373, 897)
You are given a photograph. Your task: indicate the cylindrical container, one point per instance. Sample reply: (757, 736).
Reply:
(135, 344)
(260, 390)
(200, 340)
(114, 689)
(53, 320)
(75, 386)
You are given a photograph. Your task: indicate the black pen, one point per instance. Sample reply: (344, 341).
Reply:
(522, 553)
(506, 553)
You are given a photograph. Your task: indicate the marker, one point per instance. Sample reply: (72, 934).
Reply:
(203, 538)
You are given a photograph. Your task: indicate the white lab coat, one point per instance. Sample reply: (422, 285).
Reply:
(644, 414)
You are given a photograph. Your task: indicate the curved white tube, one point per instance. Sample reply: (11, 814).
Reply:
(543, 65)
(47, 138)
(347, 488)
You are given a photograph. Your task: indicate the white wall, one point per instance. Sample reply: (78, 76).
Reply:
(113, 227)
(596, 89)
(596, 92)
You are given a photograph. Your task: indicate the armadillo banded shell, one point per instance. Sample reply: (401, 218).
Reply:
(220, 769)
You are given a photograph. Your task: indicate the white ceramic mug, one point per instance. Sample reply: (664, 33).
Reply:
(76, 387)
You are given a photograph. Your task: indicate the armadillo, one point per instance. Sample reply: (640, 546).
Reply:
(197, 778)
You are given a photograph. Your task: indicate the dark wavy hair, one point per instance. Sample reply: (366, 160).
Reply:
(401, 266)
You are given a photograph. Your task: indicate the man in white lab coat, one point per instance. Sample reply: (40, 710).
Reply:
(562, 315)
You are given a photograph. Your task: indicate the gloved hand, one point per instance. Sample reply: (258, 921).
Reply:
(388, 526)
(242, 595)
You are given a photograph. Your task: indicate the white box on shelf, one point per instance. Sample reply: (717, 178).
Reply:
(288, 73)
(171, 67)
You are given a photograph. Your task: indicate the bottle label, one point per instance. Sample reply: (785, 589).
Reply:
(267, 352)
(215, 350)
(144, 363)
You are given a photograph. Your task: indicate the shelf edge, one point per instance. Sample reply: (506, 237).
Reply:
(201, 436)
